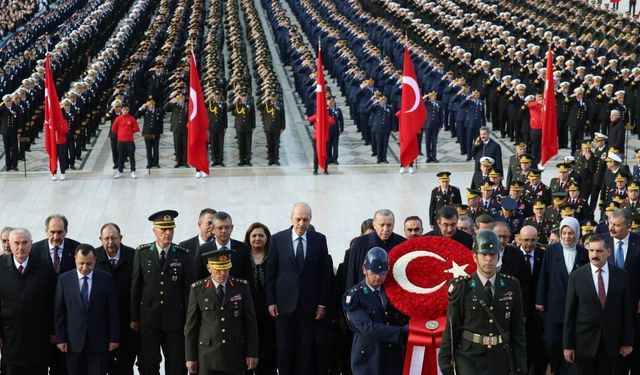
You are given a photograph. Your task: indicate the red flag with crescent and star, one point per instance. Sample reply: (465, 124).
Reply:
(412, 113)
(53, 120)
(321, 119)
(198, 123)
(549, 124)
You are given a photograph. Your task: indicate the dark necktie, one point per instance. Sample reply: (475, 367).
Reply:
(527, 257)
(602, 294)
(300, 254)
(488, 292)
(56, 259)
(220, 293)
(486, 204)
(162, 259)
(20, 269)
(84, 292)
(113, 262)
(379, 295)
(619, 257)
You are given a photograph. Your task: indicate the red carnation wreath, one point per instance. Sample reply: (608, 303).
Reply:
(420, 269)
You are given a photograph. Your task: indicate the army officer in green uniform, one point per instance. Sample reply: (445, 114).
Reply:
(485, 332)
(159, 294)
(221, 330)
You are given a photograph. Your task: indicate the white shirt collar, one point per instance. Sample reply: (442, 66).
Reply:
(201, 241)
(18, 264)
(294, 235)
(605, 268)
(51, 246)
(227, 245)
(80, 276)
(484, 280)
(117, 257)
(215, 284)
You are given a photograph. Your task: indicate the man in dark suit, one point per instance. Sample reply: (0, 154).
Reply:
(552, 292)
(160, 283)
(27, 284)
(382, 236)
(117, 259)
(297, 283)
(205, 232)
(485, 146)
(86, 315)
(536, 360)
(58, 251)
(512, 260)
(222, 230)
(221, 309)
(447, 220)
(598, 320)
(625, 253)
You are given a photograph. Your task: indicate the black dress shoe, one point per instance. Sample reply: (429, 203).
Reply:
(148, 166)
(276, 162)
(374, 154)
(315, 172)
(271, 162)
(435, 161)
(240, 164)
(248, 164)
(221, 164)
(326, 171)
(336, 162)
(367, 143)
(177, 165)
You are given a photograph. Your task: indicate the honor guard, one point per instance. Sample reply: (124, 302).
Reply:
(221, 332)
(379, 330)
(485, 331)
(443, 195)
(160, 284)
(217, 112)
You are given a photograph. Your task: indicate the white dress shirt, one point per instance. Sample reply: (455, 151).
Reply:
(484, 280)
(52, 248)
(227, 245)
(294, 240)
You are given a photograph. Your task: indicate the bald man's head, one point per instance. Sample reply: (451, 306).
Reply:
(528, 238)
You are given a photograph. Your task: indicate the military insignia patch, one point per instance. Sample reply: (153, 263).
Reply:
(347, 300)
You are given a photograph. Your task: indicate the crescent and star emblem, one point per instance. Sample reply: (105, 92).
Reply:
(416, 91)
(400, 271)
(194, 100)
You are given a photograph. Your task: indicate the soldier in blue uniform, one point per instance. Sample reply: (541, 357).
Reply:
(473, 121)
(379, 330)
(382, 117)
(510, 214)
(485, 332)
(432, 126)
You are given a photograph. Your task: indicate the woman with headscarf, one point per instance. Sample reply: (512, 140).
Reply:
(560, 259)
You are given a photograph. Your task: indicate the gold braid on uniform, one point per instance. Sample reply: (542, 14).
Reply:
(240, 111)
(271, 111)
(213, 109)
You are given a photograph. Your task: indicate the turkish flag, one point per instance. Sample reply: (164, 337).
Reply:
(321, 118)
(549, 125)
(412, 113)
(53, 120)
(198, 124)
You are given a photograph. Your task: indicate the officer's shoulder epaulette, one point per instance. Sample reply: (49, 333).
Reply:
(199, 283)
(144, 246)
(351, 295)
(456, 285)
(435, 189)
(182, 248)
(454, 187)
(240, 280)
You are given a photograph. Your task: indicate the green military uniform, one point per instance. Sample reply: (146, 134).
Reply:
(220, 336)
(485, 334)
(441, 198)
(543, 227)
(159, 296)
(468, 323)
